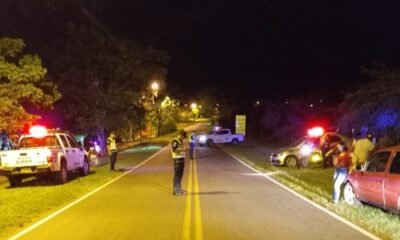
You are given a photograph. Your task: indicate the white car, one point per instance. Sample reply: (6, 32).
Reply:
(219, 136)
(44, 153)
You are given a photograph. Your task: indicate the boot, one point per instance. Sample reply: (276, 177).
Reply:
(181, 190)
(176, 191)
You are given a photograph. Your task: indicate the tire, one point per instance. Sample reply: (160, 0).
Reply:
(235, 141)
(85, 169)
(210, 143)
(349, 195)
(61, 176)
(14, 181)
(291, 161)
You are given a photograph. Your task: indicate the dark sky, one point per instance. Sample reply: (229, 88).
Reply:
(265, 48)
(261, 48)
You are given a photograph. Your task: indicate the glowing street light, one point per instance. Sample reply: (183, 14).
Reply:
(193, 106)
(155, 86)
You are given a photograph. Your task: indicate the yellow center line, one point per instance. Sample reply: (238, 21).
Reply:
(193, 192)
(187, 220)
(198, 225)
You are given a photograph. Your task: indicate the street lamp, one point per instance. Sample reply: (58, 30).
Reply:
(155, 86)
(193, 106)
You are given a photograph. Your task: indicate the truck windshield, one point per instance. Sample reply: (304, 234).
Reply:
(31, 142)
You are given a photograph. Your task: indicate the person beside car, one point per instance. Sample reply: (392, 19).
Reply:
(362, 148)
(342, 163)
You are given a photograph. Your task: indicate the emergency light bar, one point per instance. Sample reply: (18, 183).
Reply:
(316, 132)
(38, 131)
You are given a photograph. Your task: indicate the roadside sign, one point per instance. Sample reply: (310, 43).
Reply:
(241, 124)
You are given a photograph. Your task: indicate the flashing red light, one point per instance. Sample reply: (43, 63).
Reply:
(38, 131)
(316, 132)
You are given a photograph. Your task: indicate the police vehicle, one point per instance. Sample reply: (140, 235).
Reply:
(44, 153)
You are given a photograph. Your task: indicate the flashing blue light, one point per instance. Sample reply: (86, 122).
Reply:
(386, 119)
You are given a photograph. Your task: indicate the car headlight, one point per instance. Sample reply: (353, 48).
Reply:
(306, 150)
(316, 157)
(202, 139)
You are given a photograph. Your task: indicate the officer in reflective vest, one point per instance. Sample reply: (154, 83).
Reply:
(112, 150)
(192, 144)
(178, 158)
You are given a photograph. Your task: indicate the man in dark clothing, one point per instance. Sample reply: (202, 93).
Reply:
(178, 158)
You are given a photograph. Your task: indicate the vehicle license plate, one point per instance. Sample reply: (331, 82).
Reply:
(26, 170)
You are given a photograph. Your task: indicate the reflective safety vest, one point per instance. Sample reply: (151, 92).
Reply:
(192, 137)
(175, 145)
(111, 145)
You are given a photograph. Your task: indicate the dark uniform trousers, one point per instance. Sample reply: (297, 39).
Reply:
(179, 166)
(113, 159)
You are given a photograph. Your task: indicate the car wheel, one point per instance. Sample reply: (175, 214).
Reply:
(291, 161)
(235, 141)
(62, 175)
(210, 143)
(85, 168)
(14, 181)
(349, 195)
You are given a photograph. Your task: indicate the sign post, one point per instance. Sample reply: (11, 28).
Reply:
(241, 124)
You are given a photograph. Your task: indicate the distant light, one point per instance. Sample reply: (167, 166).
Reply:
(316, 132)
(311, 105)
(258, 103)
(38, 131)
(193, 105)
(320, 100)
(287, 102)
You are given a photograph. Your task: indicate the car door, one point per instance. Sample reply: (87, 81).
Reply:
(76, 152)
(218, 137)
(392, 184)
(370, 182)
(67, 151)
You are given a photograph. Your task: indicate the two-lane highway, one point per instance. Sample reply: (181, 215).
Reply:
(226, 200)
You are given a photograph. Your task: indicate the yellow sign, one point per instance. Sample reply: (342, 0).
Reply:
(241, 124)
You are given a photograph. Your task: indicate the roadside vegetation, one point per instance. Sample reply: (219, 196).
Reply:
(316, 184)
(26, 204)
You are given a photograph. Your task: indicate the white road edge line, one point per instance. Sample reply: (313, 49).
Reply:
(37, 224)
(350, 224)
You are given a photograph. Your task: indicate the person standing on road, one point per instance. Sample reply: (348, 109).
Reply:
(342, 162)
(192, 144)
(178, 158)
(112, 150)
(326, 160)
(362, 148)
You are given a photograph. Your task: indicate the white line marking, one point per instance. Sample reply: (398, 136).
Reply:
(350, 224)
(44, 220)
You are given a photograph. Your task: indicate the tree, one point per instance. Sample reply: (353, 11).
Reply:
(102, 79)
(23, 84)
(375, 106)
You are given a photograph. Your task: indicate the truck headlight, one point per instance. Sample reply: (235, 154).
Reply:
(202, 139)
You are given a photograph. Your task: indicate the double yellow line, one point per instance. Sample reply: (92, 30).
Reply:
(193, 193)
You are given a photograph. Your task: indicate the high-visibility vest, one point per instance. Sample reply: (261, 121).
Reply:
(192, 137)
(112, 146)
(176, 153)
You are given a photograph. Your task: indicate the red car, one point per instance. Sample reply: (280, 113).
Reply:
(376, 182)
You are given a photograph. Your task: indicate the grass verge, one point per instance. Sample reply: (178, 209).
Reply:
(316, 184)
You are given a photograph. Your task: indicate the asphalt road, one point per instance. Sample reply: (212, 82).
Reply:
(226, 200)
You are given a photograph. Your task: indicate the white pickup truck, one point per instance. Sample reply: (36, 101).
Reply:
(49, 153)
(219, 136)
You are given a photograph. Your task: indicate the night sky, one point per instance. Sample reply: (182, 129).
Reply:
(254, 49)
(265, 49)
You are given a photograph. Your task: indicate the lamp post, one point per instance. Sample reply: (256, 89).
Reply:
(195, 110)
(155, 88)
